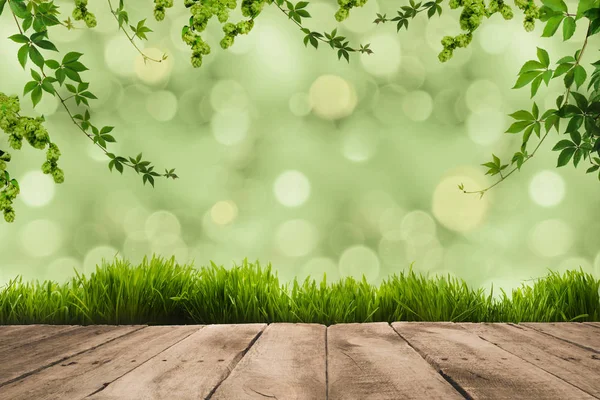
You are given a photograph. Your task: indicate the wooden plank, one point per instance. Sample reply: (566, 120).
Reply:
(23, 335)
(579, 367)
(481, 369)
(286, 362)
(594, 324)
(89, 372)
(370, 361)
(576, 333)
(59, 347)
(189, 370)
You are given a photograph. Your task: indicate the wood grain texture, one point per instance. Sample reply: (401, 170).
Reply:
(571, 363)
(56, 348)
(286, 362)
(370, 361)
(480, 368)
(12, 337)
(577, 333)
(594, 324)
(189, 370)
(82, 375)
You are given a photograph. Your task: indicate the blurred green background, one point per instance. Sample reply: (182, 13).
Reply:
(289, 156)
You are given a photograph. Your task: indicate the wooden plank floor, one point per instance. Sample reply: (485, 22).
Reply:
(402, 360)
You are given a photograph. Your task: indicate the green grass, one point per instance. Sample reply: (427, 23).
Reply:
(163, 292)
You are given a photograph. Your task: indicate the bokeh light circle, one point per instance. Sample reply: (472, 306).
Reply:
(316, 267)
(485, 127)
(357, 261)
(417, 105)
(224, 212)
(230, 127)
(162, 105)
(300, 105)
(456, 211)
(386, 57)
(483, 94)
(41, 237)
(296, 238)
(162, 222)
(291, 188)
(416, 223)
(547, 188)
(37, 189)
(551, 238)
(332, 97)
(227, 95)
(95, 256)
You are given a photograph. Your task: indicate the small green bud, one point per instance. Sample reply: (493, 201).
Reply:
(227, 42)
(445, 55)
(196, 60)
(506, 12)
(58, 175)
(90, 20)
(9, 214)
(342, 14)
(77, 14)
(159, 13)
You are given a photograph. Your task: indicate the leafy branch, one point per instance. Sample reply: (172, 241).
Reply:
(139, 30)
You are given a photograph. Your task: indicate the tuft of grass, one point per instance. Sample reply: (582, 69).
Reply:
(161, 292)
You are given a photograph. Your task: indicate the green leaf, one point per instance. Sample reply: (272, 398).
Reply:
(47, 45)
(569, 78)
(535, 110)
(562, 68)
(76, 66)
(565, 156)
(22, 55)
(563, 144)
(18, 38)
(555, 5)
(525, 78)
(580, 75)
(47, 86)
(582, 102)
(592, 169)
(19, 8)
(575, 137)
(585, 5)
(35, 75)
(71, 57)
(60, 75)
(535, 85)
(552, 25)
(36, 95)
(73, 75)
(29, 86)
(568, 28)
(543, 57)
(574, 124)
(52, 64)
(577, 157)
(530, 66)
(518, 126)
(36, 56)
(522, 115)
(2, 4)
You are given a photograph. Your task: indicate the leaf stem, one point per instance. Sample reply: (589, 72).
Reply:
(146, 57)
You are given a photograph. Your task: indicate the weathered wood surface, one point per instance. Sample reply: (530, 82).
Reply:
(576, 333)
(48, 351)
(404, 360)
(190, 370)
(370, 361)
(286, 362)
(91, 371)
(480, 368)
(569, 362)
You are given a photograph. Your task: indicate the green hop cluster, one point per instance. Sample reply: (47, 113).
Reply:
(204, 11)
(199, 47)
(160, 7)
(51, 166)
(17, 128)
(232, 30)
(7, 197)
(81, 13)
(506, 11)
(472, 15)
(450, 43)
(345, 7)
(531, 11)
(251, 8)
